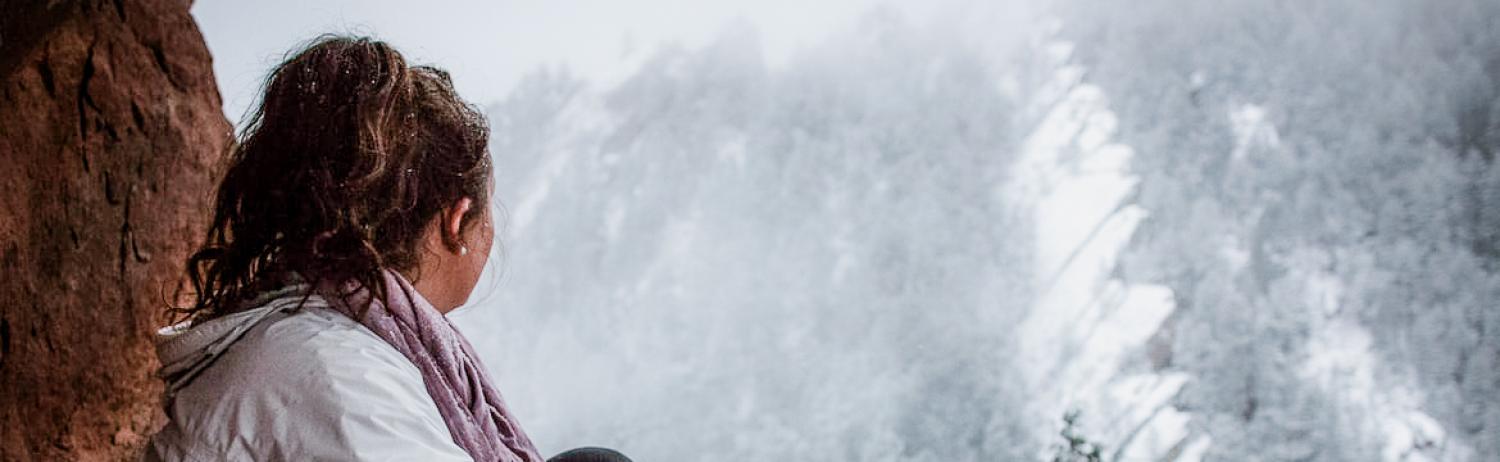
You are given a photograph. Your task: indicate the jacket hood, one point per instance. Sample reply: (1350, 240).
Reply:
(185, 349)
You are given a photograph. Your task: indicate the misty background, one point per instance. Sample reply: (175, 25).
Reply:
(856, 230)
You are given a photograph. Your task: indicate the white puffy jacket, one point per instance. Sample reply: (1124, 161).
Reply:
(277, 383)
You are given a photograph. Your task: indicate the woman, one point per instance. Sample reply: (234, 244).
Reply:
(352, 217)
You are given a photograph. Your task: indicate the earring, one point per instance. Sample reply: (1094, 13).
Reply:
(463, 250)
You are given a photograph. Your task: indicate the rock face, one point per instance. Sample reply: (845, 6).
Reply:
(110, 132)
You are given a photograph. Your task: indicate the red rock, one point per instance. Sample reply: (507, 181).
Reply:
(110, 133)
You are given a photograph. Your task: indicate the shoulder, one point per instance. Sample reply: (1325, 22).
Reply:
(311, 384)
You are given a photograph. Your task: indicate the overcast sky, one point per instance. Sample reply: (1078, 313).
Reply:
(489, 45)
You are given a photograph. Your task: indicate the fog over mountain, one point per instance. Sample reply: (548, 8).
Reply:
(1237, 230)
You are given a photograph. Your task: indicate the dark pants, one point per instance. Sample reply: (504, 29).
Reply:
(590, 455)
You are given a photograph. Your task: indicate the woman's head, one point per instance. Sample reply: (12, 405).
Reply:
(354, 162)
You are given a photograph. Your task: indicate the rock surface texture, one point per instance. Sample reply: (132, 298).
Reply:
(110, 133)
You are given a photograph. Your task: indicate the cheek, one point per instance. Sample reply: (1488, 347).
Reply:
(486, 240)
(480, 252)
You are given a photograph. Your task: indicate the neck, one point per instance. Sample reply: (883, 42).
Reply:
(435, 291)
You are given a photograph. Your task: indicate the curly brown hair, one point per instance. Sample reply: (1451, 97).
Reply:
(336, 175)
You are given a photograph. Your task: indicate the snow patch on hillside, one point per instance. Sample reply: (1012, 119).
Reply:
(1086, 324)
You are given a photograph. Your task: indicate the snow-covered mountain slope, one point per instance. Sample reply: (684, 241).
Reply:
(1085, 338)
(914, 242)
(1093, 342)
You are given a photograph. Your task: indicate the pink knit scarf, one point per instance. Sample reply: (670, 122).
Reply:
(469, 403)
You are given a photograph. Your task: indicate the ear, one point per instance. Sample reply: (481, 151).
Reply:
(453, 221)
